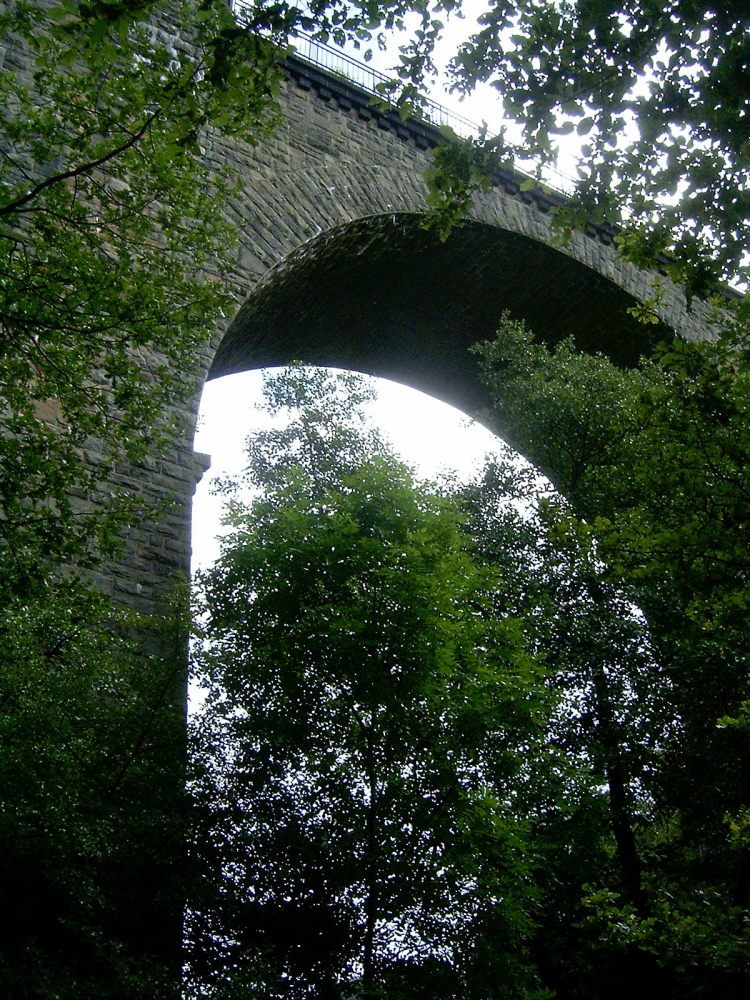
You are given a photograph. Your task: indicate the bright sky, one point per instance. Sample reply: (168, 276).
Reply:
(428, 434)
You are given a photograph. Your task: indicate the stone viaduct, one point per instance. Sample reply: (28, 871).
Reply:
(334, 268)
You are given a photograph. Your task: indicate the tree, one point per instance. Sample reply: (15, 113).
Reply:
(92, 818)
(653, 463)
(370, 725)
(657, 94)
(113, 260)
(608, 727)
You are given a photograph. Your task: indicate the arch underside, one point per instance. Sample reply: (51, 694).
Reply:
(385, 296)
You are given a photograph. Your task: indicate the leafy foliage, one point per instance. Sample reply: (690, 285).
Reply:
(471, 750)
(369, 723)
(91, 818)
(653, 463)
(461, 169)
(104, 199)
(658, 93)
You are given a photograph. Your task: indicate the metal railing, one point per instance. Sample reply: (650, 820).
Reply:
(338, 63)
(374, 82)
(361, 74)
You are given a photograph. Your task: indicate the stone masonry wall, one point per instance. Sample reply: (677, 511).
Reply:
(335, 160)
(340, 181)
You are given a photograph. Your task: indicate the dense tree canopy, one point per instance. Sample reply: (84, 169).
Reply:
(342, 695)
(92, 813)
(653, 463)
(657, 92)
(371, 725)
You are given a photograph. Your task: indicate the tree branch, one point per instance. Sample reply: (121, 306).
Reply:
(82, 168)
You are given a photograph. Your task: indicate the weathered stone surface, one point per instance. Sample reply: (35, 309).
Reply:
(334, 267)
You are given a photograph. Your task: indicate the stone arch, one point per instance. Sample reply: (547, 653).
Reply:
(334, 267)
(334, 161)
(384, 295)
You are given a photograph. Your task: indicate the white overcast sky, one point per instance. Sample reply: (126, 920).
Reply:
(429, 435)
